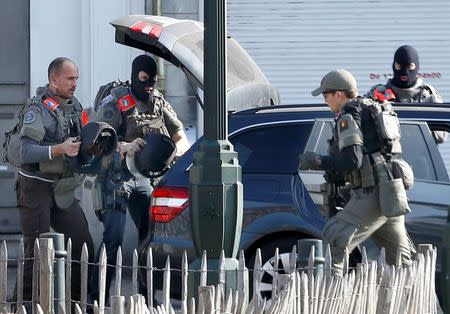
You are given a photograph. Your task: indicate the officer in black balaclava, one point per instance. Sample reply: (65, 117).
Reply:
(142, 85)
(405, 67)
(406, 85)
(135, 112)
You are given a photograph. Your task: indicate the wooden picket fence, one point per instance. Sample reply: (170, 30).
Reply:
(373, 287)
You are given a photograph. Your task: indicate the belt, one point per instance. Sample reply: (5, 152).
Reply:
(34, 176)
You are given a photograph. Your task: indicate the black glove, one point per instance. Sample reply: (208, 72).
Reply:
(308, 161)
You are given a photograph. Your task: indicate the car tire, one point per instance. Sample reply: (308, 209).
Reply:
(284, 246)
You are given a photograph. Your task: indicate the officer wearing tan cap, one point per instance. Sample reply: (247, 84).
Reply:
(361, 155)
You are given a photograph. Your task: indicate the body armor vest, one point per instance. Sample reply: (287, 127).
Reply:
(381, 133)
(68, 124)
(139, 124)
(420, 92)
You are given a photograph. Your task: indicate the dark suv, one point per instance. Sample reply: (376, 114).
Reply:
(282, 205)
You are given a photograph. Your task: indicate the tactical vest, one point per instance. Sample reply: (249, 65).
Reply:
(378, 147)
(139, 124)
(417, 93)
(68, 124)
(420, 92)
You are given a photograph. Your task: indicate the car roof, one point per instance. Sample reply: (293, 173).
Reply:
(434, 114)
(403, 109)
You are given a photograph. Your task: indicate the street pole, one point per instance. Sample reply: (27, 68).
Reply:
(216, 192)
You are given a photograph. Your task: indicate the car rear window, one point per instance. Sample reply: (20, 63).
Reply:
(271, 149)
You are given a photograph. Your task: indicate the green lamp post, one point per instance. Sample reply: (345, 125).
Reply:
(216, 192)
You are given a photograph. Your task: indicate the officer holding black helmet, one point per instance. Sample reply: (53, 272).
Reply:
(134, 112)
(46, 183)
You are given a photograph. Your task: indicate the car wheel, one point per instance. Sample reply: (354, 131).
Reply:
(268, 260)
(268, 275)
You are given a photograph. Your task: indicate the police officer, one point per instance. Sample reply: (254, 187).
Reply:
(45, 184)
(356, 148)
(133, 112)
(406, 86)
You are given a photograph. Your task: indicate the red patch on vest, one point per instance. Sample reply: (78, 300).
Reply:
(388, 94)
(126, 102)
(50, 103)
(84, 118)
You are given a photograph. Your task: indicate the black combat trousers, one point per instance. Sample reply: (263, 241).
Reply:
(38, 212)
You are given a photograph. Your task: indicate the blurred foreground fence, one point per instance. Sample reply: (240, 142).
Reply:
(371, 287)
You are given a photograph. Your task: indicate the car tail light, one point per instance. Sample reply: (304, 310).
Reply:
(147, 28)
(168, 202)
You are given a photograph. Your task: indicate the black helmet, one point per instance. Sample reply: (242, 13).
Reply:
(154, 159)
(98, 139)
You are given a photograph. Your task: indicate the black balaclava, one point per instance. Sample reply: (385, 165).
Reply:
(148, 65)
(404, 56)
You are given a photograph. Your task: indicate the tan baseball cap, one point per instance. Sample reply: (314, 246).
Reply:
(338, 79)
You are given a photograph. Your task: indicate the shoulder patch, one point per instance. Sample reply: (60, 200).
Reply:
(50, 103)
(30, 117)
(381, 92)
(126, 102)
(343, 124)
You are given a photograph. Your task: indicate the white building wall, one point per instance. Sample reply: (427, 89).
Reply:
(296, 42)
(80, 30)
